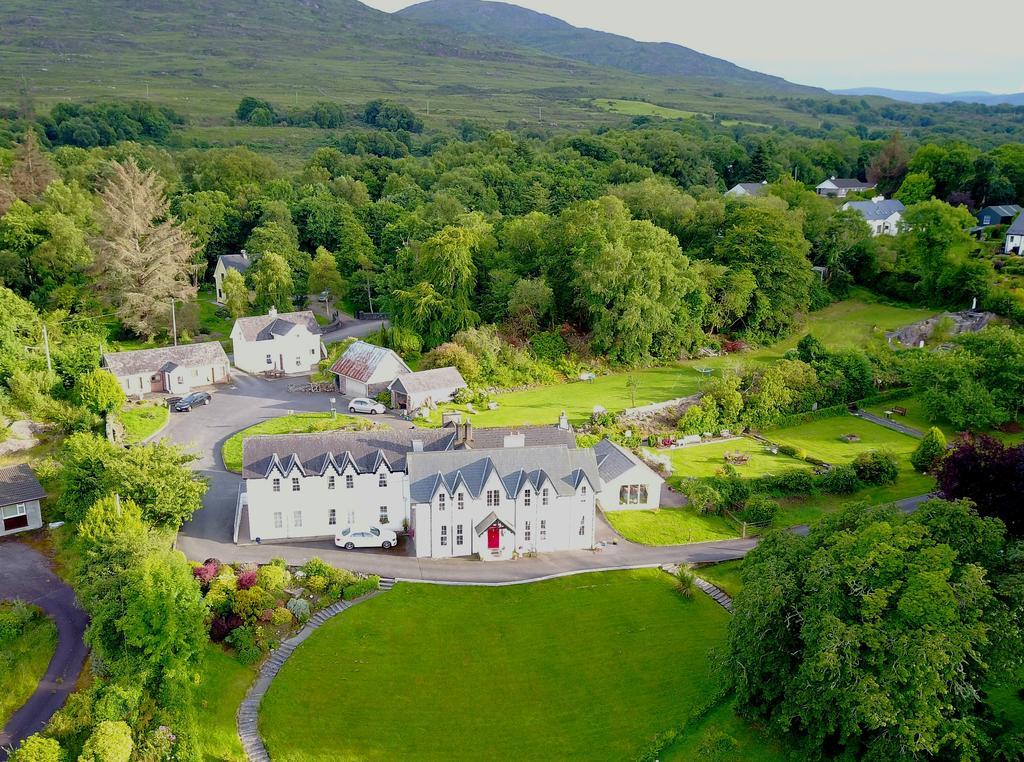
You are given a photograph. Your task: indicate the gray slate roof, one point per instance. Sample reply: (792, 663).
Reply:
(360, 361)
(876, 210)
(235, 262)
(1001, 211)
(1017, 228)
(612, 460)
(313, 453)
(429, 381)
(203, 355)
(19, 485)
(267, 327)
(850, 183)
(517, 467)
(534, 436)
(754, 189)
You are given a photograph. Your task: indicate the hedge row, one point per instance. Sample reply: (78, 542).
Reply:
(833, 411)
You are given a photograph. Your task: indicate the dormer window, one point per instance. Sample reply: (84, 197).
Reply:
(330, 482)
(382, 480)
(349, 481)
(583, 490)
(527, 497)
(544, 496)
(295, 484)
(277, 485)
(440, 502)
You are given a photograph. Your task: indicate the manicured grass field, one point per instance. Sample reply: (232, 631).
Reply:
(143, 420)
(297, 423)
(708, 459)
(822, 438)
(23, 661)
(917, 417)
(725, 575)
(433, 672)
(671, 526)
(221, 689)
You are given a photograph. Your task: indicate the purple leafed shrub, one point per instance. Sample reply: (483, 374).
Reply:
(246, 580)
(222, 626)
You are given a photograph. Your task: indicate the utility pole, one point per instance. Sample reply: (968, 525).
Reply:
(46, 346)
(174, 323)
(368, 297)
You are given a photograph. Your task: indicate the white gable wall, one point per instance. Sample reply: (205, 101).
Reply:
(297, 351)
(617, 494)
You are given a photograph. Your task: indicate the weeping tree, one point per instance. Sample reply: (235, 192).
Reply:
(144, 258)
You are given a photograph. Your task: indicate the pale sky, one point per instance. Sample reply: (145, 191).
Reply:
(936, 45)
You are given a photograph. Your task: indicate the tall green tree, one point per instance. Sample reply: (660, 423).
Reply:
(933, 231)
(236, 293)
(272, 283)
(324, 275)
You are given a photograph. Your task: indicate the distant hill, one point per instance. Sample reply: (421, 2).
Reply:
(911, 96)
(512, 24)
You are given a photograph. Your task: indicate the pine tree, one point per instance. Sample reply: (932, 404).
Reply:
(30, 173)
(144, 259)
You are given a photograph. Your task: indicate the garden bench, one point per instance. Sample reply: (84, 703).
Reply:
(900, 411)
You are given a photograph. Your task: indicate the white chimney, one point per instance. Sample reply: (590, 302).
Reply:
(876, 199)
(272, 312)
(563, 421)
(244, 253)
(515, 440)
(417, 445)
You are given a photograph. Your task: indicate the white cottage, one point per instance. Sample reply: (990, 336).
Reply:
(288, 342)
(629, 483)
(840, 187)
(172, 370)
(225, 262)
(365, 370)
(412, 391)
(1015, 237)
(20, 493)
(459, 492)
(882, 216)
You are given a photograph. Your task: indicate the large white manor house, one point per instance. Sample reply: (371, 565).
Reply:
(458, 491)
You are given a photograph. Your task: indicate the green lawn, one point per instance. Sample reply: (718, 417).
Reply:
(217, 326)
(143, 420)
(822, 438)
(434, 672)
(24, 660)
(221, 689)
(918, 418)
(698, 740)
(708, 459)
(671, 526)
(725, 575)
(642, 108)
(297, 423)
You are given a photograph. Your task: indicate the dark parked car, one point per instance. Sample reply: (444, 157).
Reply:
(189, 401)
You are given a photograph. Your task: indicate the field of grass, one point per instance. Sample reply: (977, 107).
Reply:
(222, 687)
(671, 526)
(707, 459)
(822, 438)
(642, 108)
(917, 417)
(23, 662)
(142, 420)
(213, 321)
(297, 423)
(701, 740)
(433, 672)
(725, 575)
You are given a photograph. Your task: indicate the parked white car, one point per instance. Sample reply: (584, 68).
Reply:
(350, 538)
(364, 405)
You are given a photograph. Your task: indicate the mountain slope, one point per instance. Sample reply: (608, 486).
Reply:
(512, 24)
(913, 96)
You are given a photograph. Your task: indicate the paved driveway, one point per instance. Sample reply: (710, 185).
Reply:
(25, 574)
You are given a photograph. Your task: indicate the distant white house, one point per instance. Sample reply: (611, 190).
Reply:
(20, 493)
(839, 187)
(173, 370)
(227, 262)
(883, 216)
(365, 370)
(628, 482)
(288, 342)
(412, 391)
(1015, 237)
(748, 189)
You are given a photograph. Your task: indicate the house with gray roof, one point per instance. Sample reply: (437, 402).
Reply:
(287, 342)
(20, 493)
(226, 262)
(882, 215)
(1015, 237)
(748, 189)
(170, 370)
(411, 391)
(458, 491)
(628, 482)
(840, 187)
(1000, 214)
(366, 370)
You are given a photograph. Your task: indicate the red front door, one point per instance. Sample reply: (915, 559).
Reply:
(493, 537)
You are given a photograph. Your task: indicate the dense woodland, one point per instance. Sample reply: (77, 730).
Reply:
(522, 259)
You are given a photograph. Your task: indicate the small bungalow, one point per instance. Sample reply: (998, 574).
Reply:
(20, 493)
(172, 370)
(412, 391)
(1015, 237)
(365, 370)
(840, 187)
(288, 342)
(1002, 214)
(629, 483)
(748, 189)
(883, 216)
(227, 262)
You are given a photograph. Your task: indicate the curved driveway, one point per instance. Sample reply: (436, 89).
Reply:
(26, 576)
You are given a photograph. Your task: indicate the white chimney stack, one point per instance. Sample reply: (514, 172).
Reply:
(417, 445)
(515, 440)
(272, 312)
(563, 421)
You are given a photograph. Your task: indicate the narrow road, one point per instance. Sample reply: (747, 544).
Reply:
(26, 576)
(894, 425)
